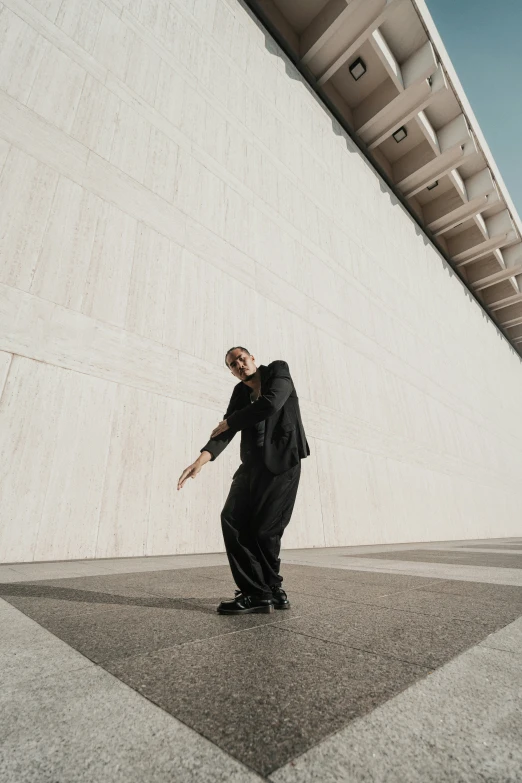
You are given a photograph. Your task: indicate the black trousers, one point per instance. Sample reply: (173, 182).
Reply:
(257, 510)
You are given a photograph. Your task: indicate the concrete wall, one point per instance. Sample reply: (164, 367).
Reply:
(169, 188)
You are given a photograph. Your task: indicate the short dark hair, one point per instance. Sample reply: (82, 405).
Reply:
(234, 348)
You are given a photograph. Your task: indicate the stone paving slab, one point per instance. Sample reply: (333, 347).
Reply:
(507, 595)
(331, 553)
(498, 547)
(461, 724)
(425, 640)
(343, 590)
(469, 573)
(50, 600)
(495, 614)
(296, 576)
(483, 550)
(27, 650)
(490, 559)
(8, 575)
(508, 639)
(265, 695)
(20, 572)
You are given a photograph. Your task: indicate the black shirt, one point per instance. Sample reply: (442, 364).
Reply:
(254, 436)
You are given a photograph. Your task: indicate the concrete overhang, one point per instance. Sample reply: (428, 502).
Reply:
(444, 172)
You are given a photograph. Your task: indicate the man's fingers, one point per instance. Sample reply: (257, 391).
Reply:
(191, 472)
(183, 477)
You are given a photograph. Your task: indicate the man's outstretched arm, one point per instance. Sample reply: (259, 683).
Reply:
(276, 392)
(210, 450)
(217, 444)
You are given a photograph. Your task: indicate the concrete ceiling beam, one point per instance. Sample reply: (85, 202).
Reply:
(505, 302)
(512, 322)
(490, 280)
(352, 34)
(456, 143)
(401, 110)
(325, 24)
(466, 211)
(480, 250)
(478, 193)
(516, 335)
(428, 131)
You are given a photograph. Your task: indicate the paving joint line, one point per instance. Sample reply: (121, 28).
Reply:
(427, 669)
(412, 611)
(203, 639)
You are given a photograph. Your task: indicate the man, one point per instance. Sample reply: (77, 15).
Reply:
(265, 407)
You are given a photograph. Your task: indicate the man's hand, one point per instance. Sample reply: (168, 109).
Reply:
(221, 427)
(190, 472)
(193, 470)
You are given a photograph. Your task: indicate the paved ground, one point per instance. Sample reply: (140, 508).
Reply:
(396, 663)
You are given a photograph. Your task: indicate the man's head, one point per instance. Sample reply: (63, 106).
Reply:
(240, 362)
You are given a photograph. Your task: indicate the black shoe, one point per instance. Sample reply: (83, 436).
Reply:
(279, 597)
(246, 604)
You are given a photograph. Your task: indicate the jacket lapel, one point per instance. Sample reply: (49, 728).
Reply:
(263, 369)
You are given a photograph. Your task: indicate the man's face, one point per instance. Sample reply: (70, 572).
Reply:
(241, 364)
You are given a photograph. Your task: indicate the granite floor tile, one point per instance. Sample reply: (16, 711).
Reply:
(462, 724)
(41, 658)
(56, 570)
(214, 572)
(17, 629)
(318, 590)
(28, 651)
(507, 576)
(126, 631)
(508, 639)
(426, 640)
(141, 580)
(36, 575)
(461, 607)
(493, 560)
(328, 589)
(492, 546)
(175, 583)
(9, 575)
(199, 587)
(87, 726)
(188, 581)
(506, 595)
(45, 601)
(265, 695)
(295, 574)
(5, 606)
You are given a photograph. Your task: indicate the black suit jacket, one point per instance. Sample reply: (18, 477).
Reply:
(278, 405)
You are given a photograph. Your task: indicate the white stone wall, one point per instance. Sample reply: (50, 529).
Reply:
(168, 188)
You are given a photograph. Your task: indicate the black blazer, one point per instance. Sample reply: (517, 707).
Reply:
(278, 405)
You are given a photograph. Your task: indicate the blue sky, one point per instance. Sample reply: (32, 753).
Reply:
(484, 42)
